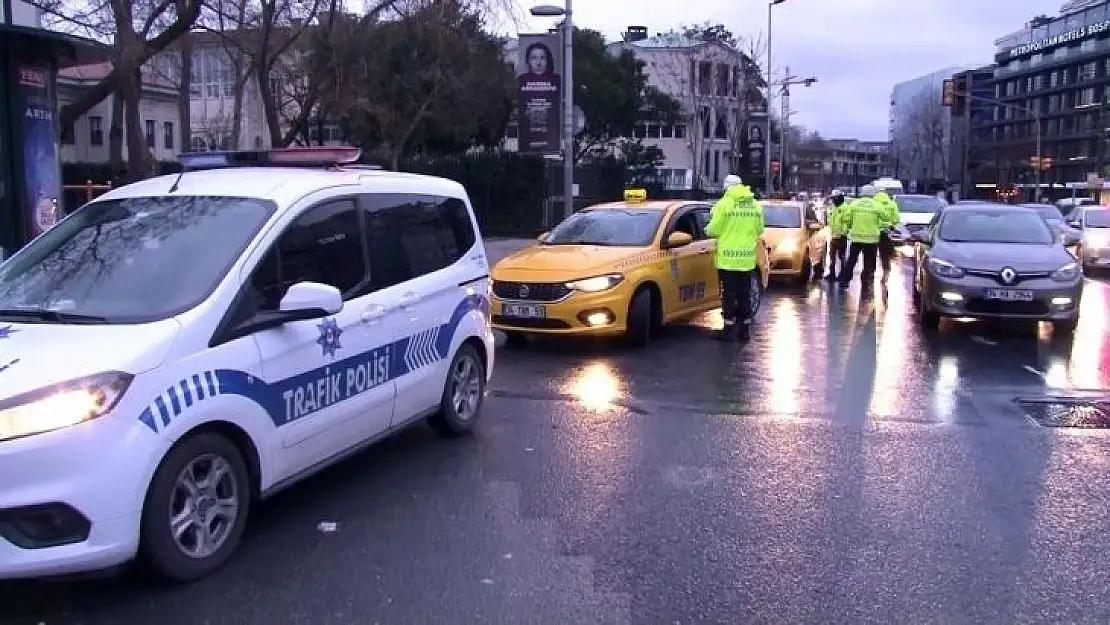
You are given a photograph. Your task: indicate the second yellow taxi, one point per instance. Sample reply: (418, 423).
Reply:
(616, 269)
(796, 240)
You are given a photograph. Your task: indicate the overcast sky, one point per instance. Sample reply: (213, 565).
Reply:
(858, 49)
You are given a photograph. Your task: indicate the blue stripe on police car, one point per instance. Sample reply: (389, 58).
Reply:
(306, 393)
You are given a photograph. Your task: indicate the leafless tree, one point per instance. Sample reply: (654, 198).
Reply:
(137, 31)
(924, 137)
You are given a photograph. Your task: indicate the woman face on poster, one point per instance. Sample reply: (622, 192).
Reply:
(538, 57)
(755, 134)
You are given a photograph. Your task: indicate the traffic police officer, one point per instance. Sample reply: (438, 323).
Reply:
(736, 222)
(865, 221)
(838, 234)
(886, 246)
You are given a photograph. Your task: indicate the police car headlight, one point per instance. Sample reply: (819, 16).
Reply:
(62, 405)
(1066, 273)
(944, 268)
(596, 284)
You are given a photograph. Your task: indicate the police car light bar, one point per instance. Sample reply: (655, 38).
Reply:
(282, 157)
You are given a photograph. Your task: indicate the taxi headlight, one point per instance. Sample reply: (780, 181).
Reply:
(1067, 273)
(62, 405)
(944, 268)
(597, 283)
(787, 247)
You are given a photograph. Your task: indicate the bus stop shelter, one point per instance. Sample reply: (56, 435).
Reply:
(30, 154)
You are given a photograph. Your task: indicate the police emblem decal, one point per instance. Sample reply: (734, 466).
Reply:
(674, 269)
(1008, 275)
(6, 332)
(329, 337)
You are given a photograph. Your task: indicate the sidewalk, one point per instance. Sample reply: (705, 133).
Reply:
(500, 247)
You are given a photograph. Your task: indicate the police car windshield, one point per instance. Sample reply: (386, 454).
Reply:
(918, 204)
(618, 227)
(995, 226)
(132, 260)
(781, 216)
(1097, 218)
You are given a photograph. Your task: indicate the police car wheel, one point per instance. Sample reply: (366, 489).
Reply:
(196, 508)
(463, 393)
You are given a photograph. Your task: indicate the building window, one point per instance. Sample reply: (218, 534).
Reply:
(653, 131)
(96, 131)
(1088, 71)
(196, 79)
(1085, 97)
(666, 132)
(724, 80)
(680, 131)
(1088, 45)
(1038, 82)
(150, 133)
(705, 78)
(167, 135)
(69, 135)
(199, 144)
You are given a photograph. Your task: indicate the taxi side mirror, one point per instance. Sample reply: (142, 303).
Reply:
(543, 237)
(677, 239)
(814, 225)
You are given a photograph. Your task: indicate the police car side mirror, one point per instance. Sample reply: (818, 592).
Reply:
(1078, 225)
(677, 239)
(311, 298)
(1072, 238)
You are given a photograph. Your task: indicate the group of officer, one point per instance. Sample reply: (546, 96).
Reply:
(736, 222)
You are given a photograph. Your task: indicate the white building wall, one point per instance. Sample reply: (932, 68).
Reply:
(83, 147)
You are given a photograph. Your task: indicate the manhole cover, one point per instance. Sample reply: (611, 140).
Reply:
(1068, 413)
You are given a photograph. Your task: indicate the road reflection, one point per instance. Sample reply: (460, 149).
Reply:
(596, 386)
(785, 357)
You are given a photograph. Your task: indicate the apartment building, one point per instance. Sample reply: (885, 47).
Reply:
(707, 79)
(87, 141)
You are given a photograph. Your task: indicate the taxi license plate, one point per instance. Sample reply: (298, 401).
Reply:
(1010, 295)
(524, 311)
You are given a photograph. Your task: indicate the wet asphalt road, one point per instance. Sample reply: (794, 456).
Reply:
(841, 468)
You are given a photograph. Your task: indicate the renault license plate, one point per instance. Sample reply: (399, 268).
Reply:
(1010, 295)
(524, 311)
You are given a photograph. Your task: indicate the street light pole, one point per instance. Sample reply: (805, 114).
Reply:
(1037, 171)
(768, 188)
(566, 12)
(568, 112)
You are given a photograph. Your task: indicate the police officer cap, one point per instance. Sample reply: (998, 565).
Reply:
(867, 190)
(732, 180)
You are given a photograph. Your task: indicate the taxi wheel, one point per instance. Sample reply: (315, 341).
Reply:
(463, 392)
(928, 319)
(807, 271)
(641, 318)
(196, 508)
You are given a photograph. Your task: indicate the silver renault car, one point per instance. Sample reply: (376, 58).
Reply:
(995, 261)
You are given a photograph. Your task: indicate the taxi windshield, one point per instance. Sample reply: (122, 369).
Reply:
(781, 216)
(617, 227)
(131, 260)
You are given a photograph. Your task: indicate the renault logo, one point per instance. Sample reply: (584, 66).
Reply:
(524, 290)
(1008, 275)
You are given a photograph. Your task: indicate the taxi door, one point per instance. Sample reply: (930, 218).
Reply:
(689, 285)
(709, 257)
(817, 237)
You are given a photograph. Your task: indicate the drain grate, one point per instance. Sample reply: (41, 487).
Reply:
(1068, 413)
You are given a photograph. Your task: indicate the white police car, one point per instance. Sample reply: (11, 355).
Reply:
(187, 344)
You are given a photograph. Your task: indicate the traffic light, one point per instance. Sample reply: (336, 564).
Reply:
(948, 93)
(960, 90)
(775, 166)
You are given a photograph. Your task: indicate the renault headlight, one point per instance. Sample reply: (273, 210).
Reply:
(596, 284)
(62, 405)
(1067, 273)
(944, 268)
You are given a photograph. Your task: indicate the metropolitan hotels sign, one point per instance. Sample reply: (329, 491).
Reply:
(1077, 34)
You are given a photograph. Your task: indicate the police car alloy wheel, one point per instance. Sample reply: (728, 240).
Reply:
(196, 508)
(463, 393)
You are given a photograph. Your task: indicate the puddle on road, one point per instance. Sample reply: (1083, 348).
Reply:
(1085, 414)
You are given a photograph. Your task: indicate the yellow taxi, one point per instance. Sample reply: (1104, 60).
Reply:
(796, 239)
(616, 269)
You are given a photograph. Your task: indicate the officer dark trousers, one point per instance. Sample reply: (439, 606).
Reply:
(855, 250)
(837, 248)
(886, 252)
(736, 287)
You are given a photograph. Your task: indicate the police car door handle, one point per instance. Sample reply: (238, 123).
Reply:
(373, 313)
(408, 300)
